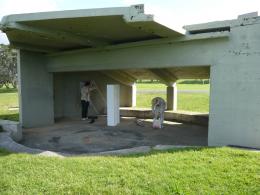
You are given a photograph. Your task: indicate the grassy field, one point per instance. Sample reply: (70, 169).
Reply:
(186, 171)
(186, 101)
(8, 100)
(156, 86)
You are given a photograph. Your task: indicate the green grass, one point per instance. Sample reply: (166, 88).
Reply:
(8, 99)
(186, 171)
(156, 86)
(186, 101)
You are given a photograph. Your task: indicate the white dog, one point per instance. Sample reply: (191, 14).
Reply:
(158, 108)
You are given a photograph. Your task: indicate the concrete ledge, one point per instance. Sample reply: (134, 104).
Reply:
(13, 128)
(136, 150)
(8, 144)
(181, 116)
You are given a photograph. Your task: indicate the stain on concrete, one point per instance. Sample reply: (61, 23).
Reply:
(81, 137)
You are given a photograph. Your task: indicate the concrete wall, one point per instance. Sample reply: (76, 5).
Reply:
(67, 93)
(35, 90)
(235, 95)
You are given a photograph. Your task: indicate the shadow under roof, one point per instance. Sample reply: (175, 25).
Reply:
(76, 29)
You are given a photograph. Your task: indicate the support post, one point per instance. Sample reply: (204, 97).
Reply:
(134, 95)
(35, 90)
(113, 102)
(172, 97)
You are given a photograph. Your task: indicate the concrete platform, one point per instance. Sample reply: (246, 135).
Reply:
(180, 116)
(76, 137)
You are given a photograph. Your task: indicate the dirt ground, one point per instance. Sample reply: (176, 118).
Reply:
(74, 136)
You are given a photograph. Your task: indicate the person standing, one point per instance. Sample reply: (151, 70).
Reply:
(85, 99)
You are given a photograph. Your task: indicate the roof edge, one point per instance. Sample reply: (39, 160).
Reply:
(130, 14)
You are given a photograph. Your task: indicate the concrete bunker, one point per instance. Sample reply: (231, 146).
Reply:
(56, 46)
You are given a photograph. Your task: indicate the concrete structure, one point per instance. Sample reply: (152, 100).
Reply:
(121, 45)
(113, 105)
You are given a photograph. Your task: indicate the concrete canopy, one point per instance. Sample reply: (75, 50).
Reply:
(76, 29)
(58, 50)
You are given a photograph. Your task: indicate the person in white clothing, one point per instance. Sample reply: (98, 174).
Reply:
(85, 99)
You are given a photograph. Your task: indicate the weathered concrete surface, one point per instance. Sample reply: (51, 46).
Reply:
(235, 95)
(77, 137)
(7, 143)
(181, 116)
(230, 48)
(13, 128)
(35, 90)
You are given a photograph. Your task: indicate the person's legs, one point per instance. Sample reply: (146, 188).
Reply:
(87, 105)
(83, 109)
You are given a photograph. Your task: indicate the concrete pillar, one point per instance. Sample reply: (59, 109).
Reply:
(172, 97)
(35, 90)
(134, 95)
(113, 102)
(235, 102)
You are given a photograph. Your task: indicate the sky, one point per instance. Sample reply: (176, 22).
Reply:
(172, 13)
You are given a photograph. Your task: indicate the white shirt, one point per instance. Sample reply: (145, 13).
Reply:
(85, 93)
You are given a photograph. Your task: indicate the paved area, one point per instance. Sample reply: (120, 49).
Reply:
(77, 137)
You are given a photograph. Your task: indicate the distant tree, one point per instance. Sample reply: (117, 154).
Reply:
(8, 66)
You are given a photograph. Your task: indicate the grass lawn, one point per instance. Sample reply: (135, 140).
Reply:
(188, 102)
(8, 99)
(156, 86)
(198, 102)
(186, 171)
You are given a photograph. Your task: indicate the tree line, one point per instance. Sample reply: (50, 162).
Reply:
(8, 67)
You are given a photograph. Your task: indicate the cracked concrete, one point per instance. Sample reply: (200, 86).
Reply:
(79, 137)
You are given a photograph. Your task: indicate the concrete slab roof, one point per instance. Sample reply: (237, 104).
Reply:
(76, 29)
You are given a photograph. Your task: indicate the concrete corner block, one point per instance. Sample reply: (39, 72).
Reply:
(13, 128)
(170, 147)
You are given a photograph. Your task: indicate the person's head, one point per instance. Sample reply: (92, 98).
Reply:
(87, 83)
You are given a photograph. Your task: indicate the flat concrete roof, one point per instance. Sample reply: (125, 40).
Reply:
(88, 28)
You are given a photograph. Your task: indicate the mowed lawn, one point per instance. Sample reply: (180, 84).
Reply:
(9, 104)
(186, 171)
(195, 102)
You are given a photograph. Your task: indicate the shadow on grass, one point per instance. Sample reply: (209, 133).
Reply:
(10, 90)
(171, 151)
(4, 152)
(10, 117)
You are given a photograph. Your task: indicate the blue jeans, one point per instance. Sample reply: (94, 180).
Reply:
(84, 108)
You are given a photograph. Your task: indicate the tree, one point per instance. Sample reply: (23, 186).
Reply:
(8, 66)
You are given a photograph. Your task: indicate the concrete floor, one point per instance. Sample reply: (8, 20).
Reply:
(74, 136)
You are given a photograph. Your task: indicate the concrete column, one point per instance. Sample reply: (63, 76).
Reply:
(113, 102)
(172, 97)
(35, 90)
(134, 95)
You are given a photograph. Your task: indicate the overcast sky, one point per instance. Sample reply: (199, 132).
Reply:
(172, 13)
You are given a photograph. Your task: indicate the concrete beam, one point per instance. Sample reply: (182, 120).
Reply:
(181, 54)
(119, 76)
(28, 47)
(58, 35)
(164, 76)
